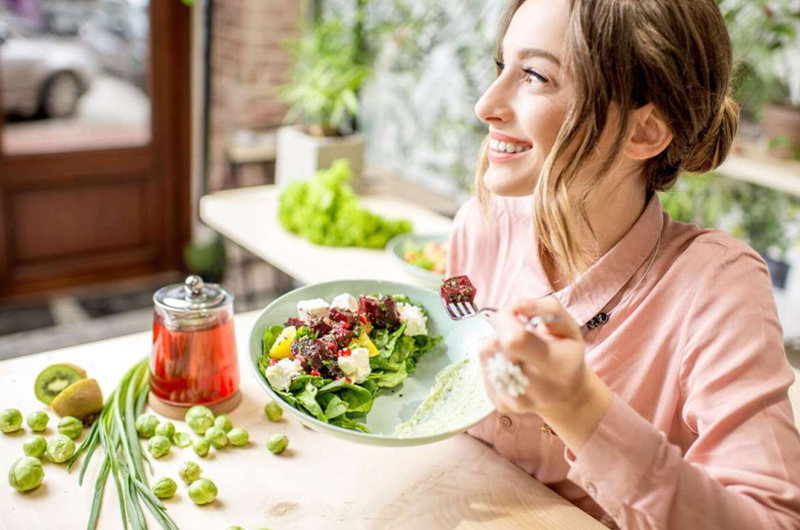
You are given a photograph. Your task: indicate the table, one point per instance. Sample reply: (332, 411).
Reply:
(320, 482)
(249, 217)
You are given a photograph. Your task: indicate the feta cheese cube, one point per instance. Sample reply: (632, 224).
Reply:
(281, 374)
(356, 365)
(316, 308)
(345, 301)
(414, 319)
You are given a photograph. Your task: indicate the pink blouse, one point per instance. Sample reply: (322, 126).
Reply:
(700, 433)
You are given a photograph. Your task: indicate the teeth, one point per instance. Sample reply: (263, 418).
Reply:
(507, 147)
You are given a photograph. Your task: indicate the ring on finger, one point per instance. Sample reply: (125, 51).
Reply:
(506, 377)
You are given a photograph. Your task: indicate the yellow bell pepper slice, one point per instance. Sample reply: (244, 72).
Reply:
(363, 341)
(283, 344)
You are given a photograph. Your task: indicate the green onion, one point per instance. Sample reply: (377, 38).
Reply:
(115, 432)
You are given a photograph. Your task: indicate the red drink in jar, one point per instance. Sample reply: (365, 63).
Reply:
(193, 361)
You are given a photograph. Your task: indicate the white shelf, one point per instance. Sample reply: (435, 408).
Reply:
(752, 165)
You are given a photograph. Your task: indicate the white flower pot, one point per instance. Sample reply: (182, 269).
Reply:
(300, 155)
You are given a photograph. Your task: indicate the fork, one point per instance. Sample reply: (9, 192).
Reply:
(468, 309)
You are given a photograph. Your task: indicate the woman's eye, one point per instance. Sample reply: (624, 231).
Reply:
(534, 77)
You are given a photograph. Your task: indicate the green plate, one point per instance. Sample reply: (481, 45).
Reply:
(461, 339)
(397, 245)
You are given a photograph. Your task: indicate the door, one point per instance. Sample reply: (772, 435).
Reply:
(95, 151)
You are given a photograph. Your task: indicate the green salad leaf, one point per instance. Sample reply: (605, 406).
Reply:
(270, 336)
(326, 211)
(340, 402)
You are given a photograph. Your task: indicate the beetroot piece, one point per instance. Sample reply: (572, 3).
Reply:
(457, 289)
(381, 312)
(342, 335)
(317, 354)
(320, 326)
(344, 316)
(296, 322)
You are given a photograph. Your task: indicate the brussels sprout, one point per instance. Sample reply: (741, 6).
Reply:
(199, 418)
(277, 443)
(37, 420)
(10, 420)
(273, 411)
(26, 474)
(70, 426)
(201, 447)
(164, 488)
(202, 491)
(35, 446)
(166, 429)
(189, 472)
(146, 425)
(234, 527)
(60, 448)
(223, 422)
(217, 437)
(238, 436)
(181, 439)
(158, 446)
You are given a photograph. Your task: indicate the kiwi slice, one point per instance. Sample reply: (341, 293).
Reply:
(54, 379)
(80, 399)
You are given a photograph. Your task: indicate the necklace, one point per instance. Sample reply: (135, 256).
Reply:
(602, 318)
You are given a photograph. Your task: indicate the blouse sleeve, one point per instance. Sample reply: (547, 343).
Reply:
(743, 468)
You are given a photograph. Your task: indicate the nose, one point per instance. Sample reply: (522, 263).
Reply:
(493, 106)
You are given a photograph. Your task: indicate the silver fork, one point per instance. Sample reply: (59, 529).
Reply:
(468, 309)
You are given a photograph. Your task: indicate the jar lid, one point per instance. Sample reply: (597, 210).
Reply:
(192, 295)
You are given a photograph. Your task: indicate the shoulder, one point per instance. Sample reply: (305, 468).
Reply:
(713, 253)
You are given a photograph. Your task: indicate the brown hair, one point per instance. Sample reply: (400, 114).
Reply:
(675, 54)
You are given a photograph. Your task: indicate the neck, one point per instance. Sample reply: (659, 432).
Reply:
(611, 212)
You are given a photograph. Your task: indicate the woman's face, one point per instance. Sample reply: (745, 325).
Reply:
(528, 101)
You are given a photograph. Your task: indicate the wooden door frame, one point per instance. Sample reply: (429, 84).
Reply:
(167, 155)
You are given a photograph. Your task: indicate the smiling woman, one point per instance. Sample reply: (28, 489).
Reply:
(665, 373)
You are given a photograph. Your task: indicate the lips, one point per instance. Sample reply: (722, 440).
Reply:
(503, 147)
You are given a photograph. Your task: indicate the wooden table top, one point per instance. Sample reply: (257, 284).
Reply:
(318, 483)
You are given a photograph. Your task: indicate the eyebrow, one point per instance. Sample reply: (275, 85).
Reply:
(526, 53)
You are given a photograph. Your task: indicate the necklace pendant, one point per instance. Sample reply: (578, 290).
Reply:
(597, 321)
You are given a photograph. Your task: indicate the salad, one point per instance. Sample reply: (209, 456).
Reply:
(430, 256)
(334, 359)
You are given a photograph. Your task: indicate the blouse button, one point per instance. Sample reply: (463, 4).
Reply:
(505, 421)
(591, 490)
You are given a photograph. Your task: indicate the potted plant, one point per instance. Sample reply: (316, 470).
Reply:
(698, 199)
(763, 33)
(329, 70)
(206, 257)
(766, 218)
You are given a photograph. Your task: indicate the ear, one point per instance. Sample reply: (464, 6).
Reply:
(649, 134)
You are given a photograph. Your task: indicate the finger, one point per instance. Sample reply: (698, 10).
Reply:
(563, 326)
(515, 341)
(489, 347)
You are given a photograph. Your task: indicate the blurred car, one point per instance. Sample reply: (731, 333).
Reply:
(42, 74)
(118, 32)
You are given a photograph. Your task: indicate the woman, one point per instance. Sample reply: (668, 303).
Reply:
(658, 399)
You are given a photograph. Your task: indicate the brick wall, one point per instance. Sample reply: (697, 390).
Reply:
(248, 63)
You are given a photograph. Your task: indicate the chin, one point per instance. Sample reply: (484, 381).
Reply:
(507, 184)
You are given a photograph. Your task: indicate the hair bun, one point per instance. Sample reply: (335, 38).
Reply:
(713, 144)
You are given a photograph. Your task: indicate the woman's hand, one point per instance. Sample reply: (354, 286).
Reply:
(563, 390)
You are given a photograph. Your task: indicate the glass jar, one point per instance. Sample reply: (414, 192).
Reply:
(193, 360)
